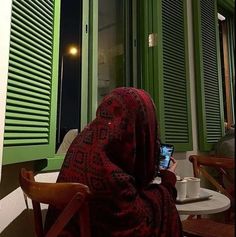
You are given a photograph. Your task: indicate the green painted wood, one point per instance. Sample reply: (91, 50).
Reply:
(29, 63)
(53, 163)
(38, 92)
(93, 60)
(19, 25)
(84, 65)
(142, 37)
(28, 79)
(28, 53)
(158, 62)
(171, 91)
(31, 19)
(228, 5)
(26, 110)
(15, 122)
(29, 47)
(27, 98)
(15, 89)
(231, 42)
(19, 64)
(35, 151)
(30, 124)
(26, 116)
(26, 129)
(26, 104)
(208, 74)
(27, 135)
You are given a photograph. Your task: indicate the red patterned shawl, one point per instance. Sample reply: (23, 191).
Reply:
(115, 155)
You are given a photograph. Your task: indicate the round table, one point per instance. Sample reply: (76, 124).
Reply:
(216, 203)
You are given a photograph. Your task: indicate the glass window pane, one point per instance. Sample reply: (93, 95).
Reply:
(111, 56)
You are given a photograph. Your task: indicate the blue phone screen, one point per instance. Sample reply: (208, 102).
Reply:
(165, 155)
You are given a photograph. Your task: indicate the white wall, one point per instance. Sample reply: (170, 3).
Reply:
(5, 23)
(184, 166)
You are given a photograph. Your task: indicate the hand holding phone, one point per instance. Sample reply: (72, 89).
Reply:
(166, 152)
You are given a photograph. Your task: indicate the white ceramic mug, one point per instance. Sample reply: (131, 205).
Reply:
(181, 187)
(193, 187)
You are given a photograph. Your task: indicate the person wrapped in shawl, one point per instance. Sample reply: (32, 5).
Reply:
(116, 156)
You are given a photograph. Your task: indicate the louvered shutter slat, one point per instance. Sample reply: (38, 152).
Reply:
(20, 142)
(26, 135)
(26, 116)
(21, 42)
(15, 122)
(28, 63)
(19, 84)
(31, 42)
(17, 24)
(211, 123)
(26, 110)
(210, 110)
(43, 76)
(46, 8)
(43, 66)
(29, 53)
(27, 98)
(176, 115)
(26, 129)
(28, 106)
(46, 5)
(26, 77)
(34, 10)
(27, 92)
(32, 20)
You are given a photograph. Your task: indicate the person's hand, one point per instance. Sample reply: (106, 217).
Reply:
(173, 165)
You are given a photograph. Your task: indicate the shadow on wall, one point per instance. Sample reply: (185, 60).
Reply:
(21, 226)
(10, 175)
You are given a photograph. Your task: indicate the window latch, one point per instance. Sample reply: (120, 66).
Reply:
(152, 40)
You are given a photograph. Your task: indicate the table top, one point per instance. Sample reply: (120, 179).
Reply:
(216, 203)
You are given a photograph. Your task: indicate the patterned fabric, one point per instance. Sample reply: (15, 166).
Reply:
(116, 156)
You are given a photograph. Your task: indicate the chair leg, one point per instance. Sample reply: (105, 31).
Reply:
(84, 222)
(72, 207)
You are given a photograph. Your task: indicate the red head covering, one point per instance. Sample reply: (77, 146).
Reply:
(115, 155)
(128, 116)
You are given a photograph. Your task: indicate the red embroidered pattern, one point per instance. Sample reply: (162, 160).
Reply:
(115, 155)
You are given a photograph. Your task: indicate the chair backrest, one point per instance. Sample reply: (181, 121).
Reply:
(70, 198)
(219, 164)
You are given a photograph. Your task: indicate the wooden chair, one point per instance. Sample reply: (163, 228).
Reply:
(221, 165)
(207, 228)
(204, 227)
(70, 198)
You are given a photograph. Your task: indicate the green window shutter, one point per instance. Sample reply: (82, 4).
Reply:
(231, 49)
(207, 74)
(228, 5)
(171, 76)
(30, 121)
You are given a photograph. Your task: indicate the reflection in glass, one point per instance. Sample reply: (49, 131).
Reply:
(111, 58)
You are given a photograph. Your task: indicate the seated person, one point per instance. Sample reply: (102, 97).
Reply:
(225, 147)
(116, 156)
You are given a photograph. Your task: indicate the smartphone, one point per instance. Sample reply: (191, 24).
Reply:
(166, 151)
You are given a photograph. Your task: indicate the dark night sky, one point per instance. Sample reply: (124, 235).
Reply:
(70, 34)
(70, 23)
